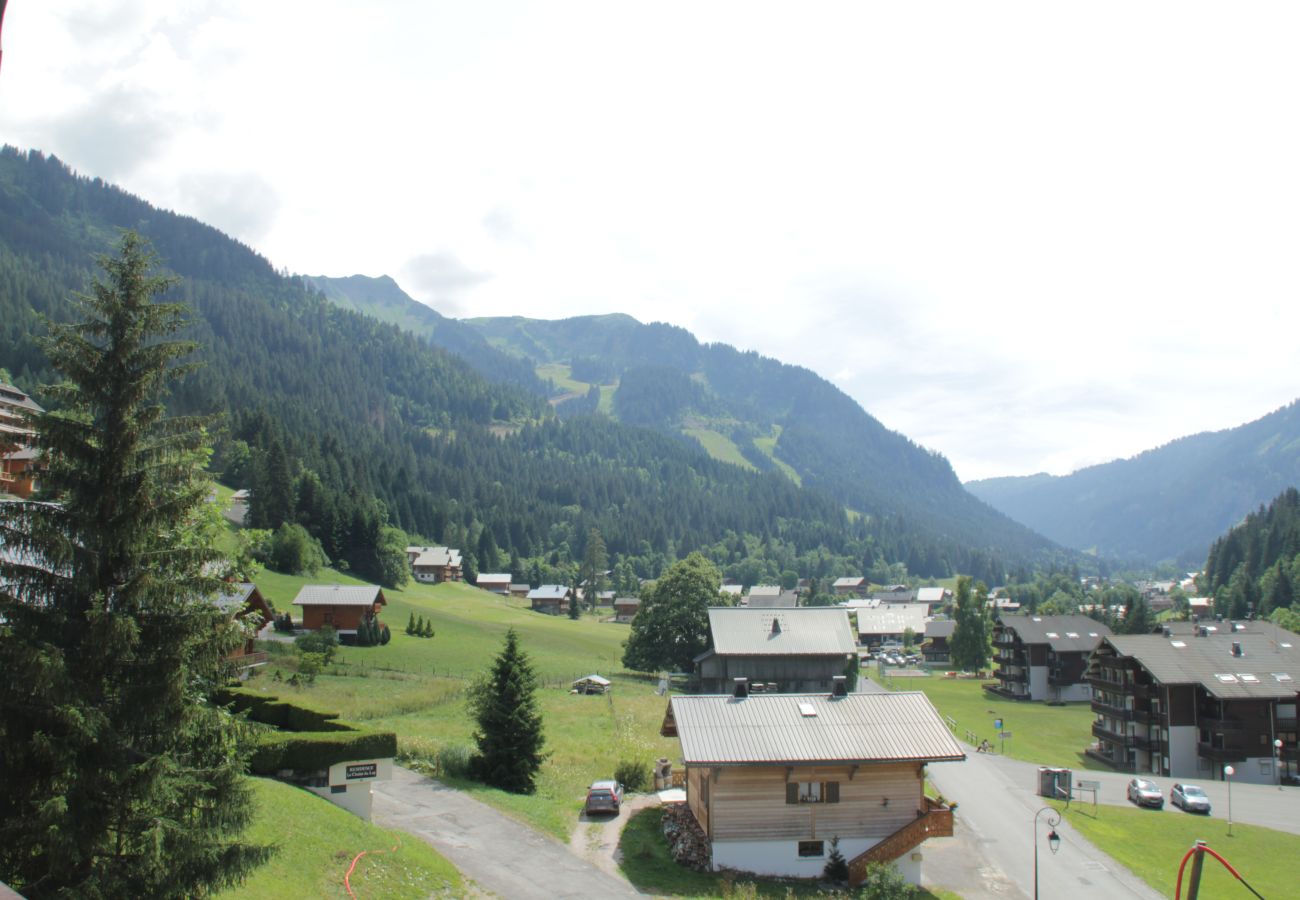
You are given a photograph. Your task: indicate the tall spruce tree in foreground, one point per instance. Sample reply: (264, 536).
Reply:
(509, 734)
(119, 779)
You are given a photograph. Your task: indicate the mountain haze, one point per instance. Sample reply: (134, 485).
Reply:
(1169, 503)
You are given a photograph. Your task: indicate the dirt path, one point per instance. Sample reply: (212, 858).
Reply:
(595, 838)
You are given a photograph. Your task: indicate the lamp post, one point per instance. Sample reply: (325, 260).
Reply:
(1228, 772)
(1277, 766)
(1053, 839)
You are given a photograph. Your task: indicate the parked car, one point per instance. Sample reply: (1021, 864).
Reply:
(1190, 798)
(1145, 793)
(604, 796)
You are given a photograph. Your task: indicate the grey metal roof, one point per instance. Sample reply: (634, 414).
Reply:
(12, 396)
(1063, 633)
(548, 592)
(806, 631)
(892, 618)
(772, 729)
(765, 590)
(1208, 661)
(941, 629)
(930, 594)
(494, 578)
(434, 556)
(339, 595)
(785, 599)
(233, 597)
(850, 581)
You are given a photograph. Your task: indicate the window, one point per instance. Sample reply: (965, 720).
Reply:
(812, 792)
(812, 848)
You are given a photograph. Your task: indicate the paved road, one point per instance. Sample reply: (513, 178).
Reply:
(501, 855)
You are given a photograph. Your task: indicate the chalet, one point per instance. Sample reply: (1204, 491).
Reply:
(520, 590)
(734, 591)
(1045, 657)
(890, 622)
(781, 600)
(851, 586)
(1196, 697)
(788, 650)
(933, 597)
(496, 583)
(764, 590)
(342, 607)
(937, 635)
(771, 778)
(550, 598)
(20, 460)
(894, 593)
(434, 565)
(626, 608)
(246, 605)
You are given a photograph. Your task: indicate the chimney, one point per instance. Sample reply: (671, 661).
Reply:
(1167, 631)
(839, 686)
(742, 688)
(776, 626)
(1202, 631)
(1236, 649)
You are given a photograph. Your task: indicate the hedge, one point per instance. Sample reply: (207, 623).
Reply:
(308, 739)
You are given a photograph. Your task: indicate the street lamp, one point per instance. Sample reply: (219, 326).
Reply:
(1053, 839)
(1277, 766)
(1228, 772)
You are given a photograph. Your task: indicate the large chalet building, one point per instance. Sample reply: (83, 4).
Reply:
(785, 650)
(1045, 657)
(771, 778)
(434, 565)
(1198, 696)
(19, 458)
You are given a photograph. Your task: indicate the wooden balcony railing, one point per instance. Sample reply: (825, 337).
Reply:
(936, 821)
(249, 660)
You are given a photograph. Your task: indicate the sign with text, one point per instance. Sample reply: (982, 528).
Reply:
(361, 770)
(997, 724)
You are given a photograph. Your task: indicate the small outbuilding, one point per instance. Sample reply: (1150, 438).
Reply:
(590, 684)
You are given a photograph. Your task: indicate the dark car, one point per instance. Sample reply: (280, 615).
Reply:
(604, 796)
(1190, 798)
(1145, 793)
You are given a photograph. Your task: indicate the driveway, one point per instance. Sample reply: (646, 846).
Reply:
(501, 855)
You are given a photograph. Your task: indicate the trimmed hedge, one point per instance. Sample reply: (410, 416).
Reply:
(308, 739)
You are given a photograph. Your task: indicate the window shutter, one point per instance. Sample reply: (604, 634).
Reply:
(792, 792)
(832, 792)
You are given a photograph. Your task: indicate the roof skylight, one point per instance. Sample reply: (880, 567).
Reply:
(807, 710)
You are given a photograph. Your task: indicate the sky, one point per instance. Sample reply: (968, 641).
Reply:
(1031, 236)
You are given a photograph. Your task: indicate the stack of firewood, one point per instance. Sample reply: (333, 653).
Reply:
(686, 840)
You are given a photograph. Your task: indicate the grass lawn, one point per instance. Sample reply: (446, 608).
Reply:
(1152, 845)
(647, 864)
(1042, 734)
(317, 842)
(720, 447)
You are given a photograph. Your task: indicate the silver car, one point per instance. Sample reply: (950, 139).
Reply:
(1145, 793)
(1190, 798)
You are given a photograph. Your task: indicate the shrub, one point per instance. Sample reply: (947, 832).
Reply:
(324, 642)
(454, 760)
(410, 624)
(885, 882)
(633, 775)
(837, 867)
(385, 635)
(295, 552)
(313, 751)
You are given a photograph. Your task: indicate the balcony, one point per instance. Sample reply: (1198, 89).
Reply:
(1221, 725)
(1115, 712)
(1108, 680)
(1221, 754)
(1013, 674)
(1145, 716)
(1119, 765)
(1099, 730)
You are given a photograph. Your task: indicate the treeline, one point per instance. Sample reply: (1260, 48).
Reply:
(1255, 567)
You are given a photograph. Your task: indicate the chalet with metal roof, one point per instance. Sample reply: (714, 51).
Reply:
(552, 599)
(849, 586)
(626, 608)
(782, 600)
(1045, 657)
(938, 633)
(881, 622)
(785, 650)
(434, 565)
(496, 583)
(1196, 697)
(244, 603)
(343, 607)
(771, 778)
(933, 597)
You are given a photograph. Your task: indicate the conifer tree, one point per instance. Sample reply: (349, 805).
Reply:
(509, 734)
(594, 560)
(119, 778)
(410, 623)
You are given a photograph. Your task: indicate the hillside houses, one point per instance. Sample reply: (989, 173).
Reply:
(343, 607)
(771, 778)
(552, 599)
(20, 461)
(1045, 657)
(786, 650)
(1188, 701)
(434, 565)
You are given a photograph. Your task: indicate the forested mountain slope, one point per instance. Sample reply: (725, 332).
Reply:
(347, 424)
(1166, 503)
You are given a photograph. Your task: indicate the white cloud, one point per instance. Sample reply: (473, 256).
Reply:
(1027, 235)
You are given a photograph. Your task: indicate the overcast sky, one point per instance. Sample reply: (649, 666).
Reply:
(1032, 236)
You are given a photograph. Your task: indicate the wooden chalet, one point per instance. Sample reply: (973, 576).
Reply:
(771, 778)
(849, 586)
(496, 583)
(243, 602)
(342, 607)
(626, 608)
(787, 650)
(552, 599)
(434, 565)
(937, 635)
(20, 460)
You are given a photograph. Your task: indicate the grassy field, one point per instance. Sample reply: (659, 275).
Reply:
(768, 446)
(720, 447)
(1265, 858)
(647, 864)
(317, 842)
(1042, 734)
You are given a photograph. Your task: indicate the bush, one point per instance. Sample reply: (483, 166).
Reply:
(295, 552)
(313, 751)
(325, 642)
(454, 760)
(885, 882)
(633, 775)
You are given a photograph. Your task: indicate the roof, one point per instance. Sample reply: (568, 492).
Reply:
(806, 631)
(339, 595)
(892, 618)
(434, 556)
(849, 581)
(594, 679)
(519, 586)
(1063, 633)
(627, 601)
(940, 629)
(494, 578)
(736, 589)
(775, 729)
(1268, 667)
(234, 596)
(930, 594)
(548, 592)
(764, 601)
(765, 590)
(12, 396)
